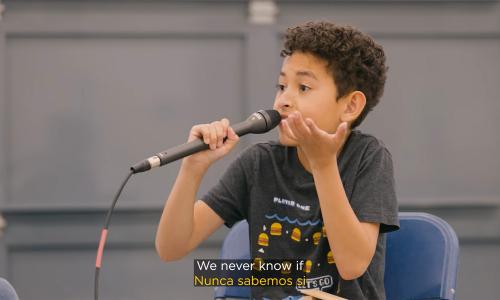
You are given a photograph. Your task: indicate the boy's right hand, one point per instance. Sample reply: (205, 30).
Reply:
(212, 134)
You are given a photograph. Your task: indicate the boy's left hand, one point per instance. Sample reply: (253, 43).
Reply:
(320, 147)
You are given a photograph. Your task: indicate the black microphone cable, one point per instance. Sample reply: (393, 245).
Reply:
(104, 234)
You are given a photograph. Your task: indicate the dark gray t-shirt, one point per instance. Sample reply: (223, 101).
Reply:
(268, 186)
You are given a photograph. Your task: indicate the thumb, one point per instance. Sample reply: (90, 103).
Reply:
(232, 138)
(341, 132)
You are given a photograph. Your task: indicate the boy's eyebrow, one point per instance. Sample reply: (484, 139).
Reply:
(307, 74)
(301, 73)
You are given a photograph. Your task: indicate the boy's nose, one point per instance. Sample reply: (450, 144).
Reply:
(283, 104)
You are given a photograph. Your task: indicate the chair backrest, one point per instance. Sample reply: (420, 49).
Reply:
(7, 292)
(236, 246)
(421, 259)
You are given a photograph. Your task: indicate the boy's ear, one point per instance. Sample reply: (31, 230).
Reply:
(354, 103)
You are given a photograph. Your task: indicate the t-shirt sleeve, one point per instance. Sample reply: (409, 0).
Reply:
(374, 196)
(229, 197)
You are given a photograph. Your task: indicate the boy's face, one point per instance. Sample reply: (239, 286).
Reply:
(305, 85)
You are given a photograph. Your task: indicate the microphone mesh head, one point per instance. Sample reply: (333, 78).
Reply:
(273, 118)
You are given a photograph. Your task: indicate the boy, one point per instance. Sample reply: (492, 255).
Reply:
(324, 193)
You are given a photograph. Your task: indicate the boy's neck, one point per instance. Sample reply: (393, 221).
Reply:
(305, 163)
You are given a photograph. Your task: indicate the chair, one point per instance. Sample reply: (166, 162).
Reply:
(7, 292)
(236, 246)
(421, 259)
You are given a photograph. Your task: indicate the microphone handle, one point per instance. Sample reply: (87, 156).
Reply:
(178, 152)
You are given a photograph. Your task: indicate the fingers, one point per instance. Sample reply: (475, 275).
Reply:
(213, 134)
(200, 132)
(220, 134)
(315, 130)
(296, 127)
(305, 130)
(289, 131)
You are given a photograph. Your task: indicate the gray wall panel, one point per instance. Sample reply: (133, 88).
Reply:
(439, 118)
(478, 271)
(128, 17)
(87, 108)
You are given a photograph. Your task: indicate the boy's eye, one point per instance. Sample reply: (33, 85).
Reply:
(280, 87)
(304, 88)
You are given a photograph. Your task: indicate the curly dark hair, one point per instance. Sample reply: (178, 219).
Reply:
(355, 61)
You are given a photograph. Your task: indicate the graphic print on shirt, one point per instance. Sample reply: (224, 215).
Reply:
(283, 231)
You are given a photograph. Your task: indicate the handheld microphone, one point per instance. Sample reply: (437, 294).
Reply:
(259, 122)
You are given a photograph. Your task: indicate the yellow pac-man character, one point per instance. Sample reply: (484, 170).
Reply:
(329, 257)
(276, 229)
(307, 267)
(263, 240)
(296, 234)
(316, 238)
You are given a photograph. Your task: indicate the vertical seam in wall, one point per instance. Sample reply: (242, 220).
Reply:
(5, 119)
(4, 146)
